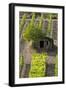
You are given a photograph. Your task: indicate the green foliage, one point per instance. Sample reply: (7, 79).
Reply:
(32, 21)
(49, 25)
(29, 29)
(54, 15)
(56, 65)
(38, 65)
(34, 32)
(22, 22)
(47, 15)
(40, 22)
(21, 61)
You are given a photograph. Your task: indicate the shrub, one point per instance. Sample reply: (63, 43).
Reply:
(34, 32)
(29, 29)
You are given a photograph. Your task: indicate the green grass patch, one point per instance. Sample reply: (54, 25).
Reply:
(38, 65)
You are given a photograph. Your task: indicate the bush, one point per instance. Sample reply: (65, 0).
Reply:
(34, 32)
(28, 32)
(38, 65)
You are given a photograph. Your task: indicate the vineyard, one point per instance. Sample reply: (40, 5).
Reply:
(37, 56)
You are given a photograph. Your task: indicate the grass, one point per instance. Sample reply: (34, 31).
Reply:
(38, 65)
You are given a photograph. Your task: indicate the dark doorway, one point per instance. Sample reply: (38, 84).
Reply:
(41, 44)
(45, 44)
